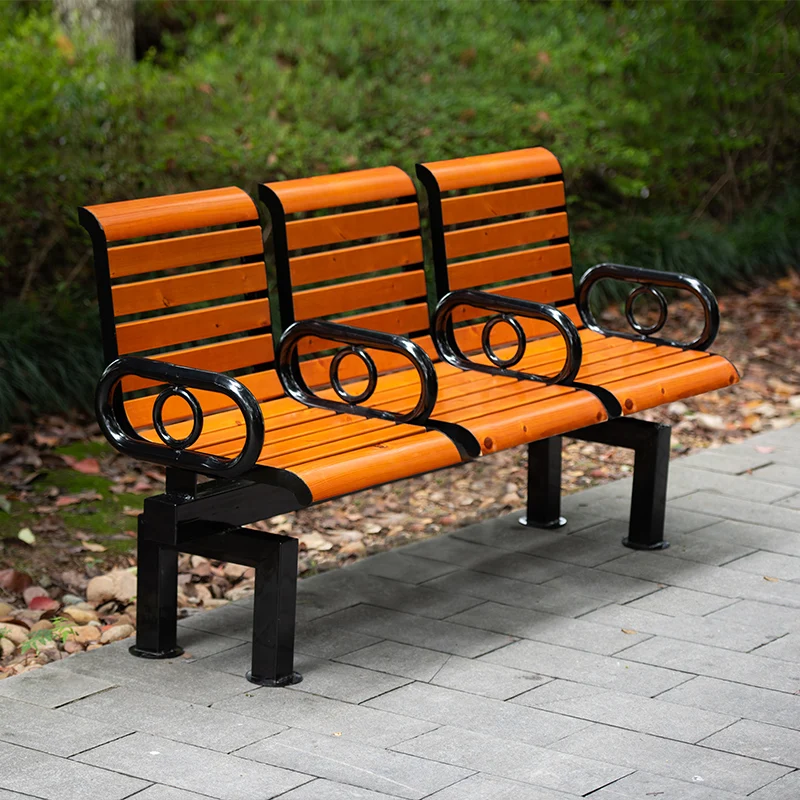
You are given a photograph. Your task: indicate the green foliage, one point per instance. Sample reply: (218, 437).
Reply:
(673, 120)
(62, 629)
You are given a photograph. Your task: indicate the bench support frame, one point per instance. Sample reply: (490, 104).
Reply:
(206, 521)
(650, 442)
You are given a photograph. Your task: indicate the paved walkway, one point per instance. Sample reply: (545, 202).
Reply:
(495, 662)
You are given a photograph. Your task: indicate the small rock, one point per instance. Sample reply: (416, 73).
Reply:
(72, 600)
(28, 616)
(124, 619)
(124, 585)
(357, 549)
(239, 592)
(93, 646)
(34, 591)
(80, 615)
(100, 589)
(7, 647)
(215, 602)
(711, 422)
(86, 634)
(115, 633)
(107, 608)
(766, 410)
(234, 571)
(16, 633)
(512, 499)
(794, 402)
(42, 625)
(73, 647)
(5, 609)
(677, 409)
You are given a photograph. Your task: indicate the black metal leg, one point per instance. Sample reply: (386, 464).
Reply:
(156, 598)
(649, 498)
(274, 614)
(544, 485)
(650, 444)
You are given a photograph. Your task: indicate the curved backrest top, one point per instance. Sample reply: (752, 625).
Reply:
(343, 189)
(493, 168)
(152, 216)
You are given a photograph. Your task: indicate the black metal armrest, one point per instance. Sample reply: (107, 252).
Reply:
(356, 340)
(648, 280)
(505, 308)
(175, 452)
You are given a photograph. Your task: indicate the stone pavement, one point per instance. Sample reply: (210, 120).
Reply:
(496, 662)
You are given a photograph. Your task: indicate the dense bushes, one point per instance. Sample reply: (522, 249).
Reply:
(674, 120)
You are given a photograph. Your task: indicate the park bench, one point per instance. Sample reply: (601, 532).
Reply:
(185, 303)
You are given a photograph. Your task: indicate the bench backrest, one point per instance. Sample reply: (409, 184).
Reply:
(499, 223)
(348, 248)
(181, 278)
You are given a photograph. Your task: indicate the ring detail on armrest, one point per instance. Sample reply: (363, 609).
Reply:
(372, 375)
(357, 340)
(174, 452)
(158, 417)
(649, 280)
(486, 342)
(506, 308)
(646, 330)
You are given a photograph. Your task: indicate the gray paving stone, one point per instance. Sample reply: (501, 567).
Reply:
(517, 593)
(342, 681)
(195, 769)
(714, 662)
(401, 566)
(484, 679)
(785, 788)
(771, 516)
(488, 787)
(612, 588)
(758, 740)
(703, 630)
(703, 578)
(722, 460)
(321, 639)
(328, 790)
(514, 760)
(676, 602)
(420, 631)
(198, 644)
(672, 759)
(575, 665)
(778, 620)
(325, 716)
(790, 502)
(643, 786)
(5, 795)
(315, 598)
(52, 778)
(541, 627)
(233, 621)
(54, 731)
(479, 714)
(160, 792)
(775, 565)
(172, 719)
(51, 688)
(345, 761)
(787, 648)
(759, 537)
(736, 699)
(685, 480)
(235, 661)
(779, 473)
(623, 710)
(417, 663)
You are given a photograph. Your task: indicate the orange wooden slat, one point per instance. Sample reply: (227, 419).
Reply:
(501, 235)
(483, 170)
(191, 287)
(347, 261)
(151, 216)
(342, 189)
(471, 207)
(344, 297)
(188, 326)
(481, 271)
(184, 251)
(248, 351)
(347, 227)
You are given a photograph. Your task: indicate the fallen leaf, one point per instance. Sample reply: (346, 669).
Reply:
(629, 630)
(93, 547)
(14, 581)
(88, 496)
(5, 504)
(771, 580)
(44, 603)
(26, 535)
(314, 541)
(88, 466)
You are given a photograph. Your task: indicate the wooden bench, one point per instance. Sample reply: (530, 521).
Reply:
(248, 430)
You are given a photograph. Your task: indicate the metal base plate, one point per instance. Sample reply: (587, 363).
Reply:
(174, 653)
(662, 545)
(556, 523)
(287, 680)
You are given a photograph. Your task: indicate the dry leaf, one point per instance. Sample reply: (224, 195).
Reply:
(629, 630)
(93, 547)
(771, 580)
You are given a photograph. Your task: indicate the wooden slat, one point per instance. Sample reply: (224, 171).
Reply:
(151, 216)
(347, 261)
(481, 271)
(485, 205)
(485, 170)
(184, 251)
(486, 238)
(352, 225)
(345, 188)
(247, 351)
(192, 287)
(351, 296)
(205, 323)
